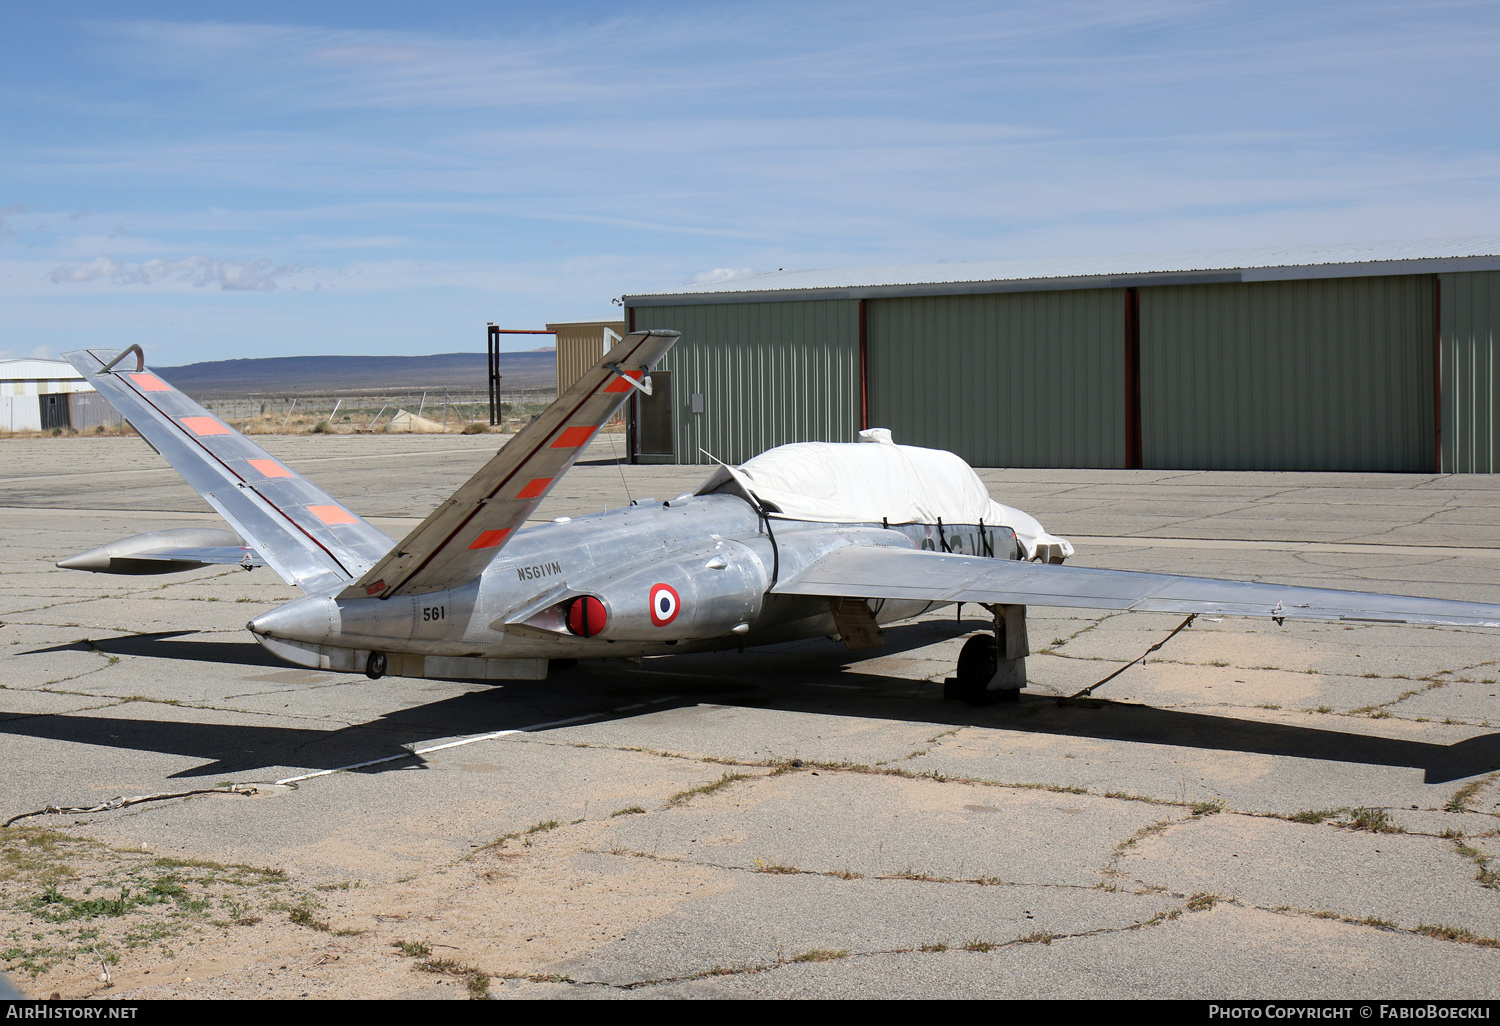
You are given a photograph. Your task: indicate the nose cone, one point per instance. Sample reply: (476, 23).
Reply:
(313, 619)
(96, 560)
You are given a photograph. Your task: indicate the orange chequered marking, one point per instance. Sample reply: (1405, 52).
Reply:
(536, 486)
(150, 383)
(333, 514)
(620, 385)
(270, 468)
(489, 539)
(201, 426)
(573, 437)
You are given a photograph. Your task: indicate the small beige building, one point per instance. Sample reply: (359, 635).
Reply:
(579, 346)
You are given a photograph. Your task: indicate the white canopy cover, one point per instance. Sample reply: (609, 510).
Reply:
(875, 479)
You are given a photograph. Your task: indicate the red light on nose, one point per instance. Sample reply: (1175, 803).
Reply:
(586, 616)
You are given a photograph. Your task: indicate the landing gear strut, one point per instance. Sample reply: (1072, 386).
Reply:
(992, 667)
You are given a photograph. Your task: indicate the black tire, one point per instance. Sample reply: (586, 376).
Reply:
(977, 662)
(375, 665)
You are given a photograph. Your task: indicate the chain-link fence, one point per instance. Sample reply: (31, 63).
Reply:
(416, 411)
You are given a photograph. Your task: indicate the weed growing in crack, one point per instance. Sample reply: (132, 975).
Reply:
(762, 866)
(1202, 902)
(524, 835)
(1459, 934)
(1464, 797)
(1312, 815)
(303, 916)
(1140, 835)
(821, 955)
(1486, 876)
(476, 981)
(1376, 821)
(705, 789)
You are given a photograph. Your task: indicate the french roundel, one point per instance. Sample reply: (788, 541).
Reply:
(665, 604)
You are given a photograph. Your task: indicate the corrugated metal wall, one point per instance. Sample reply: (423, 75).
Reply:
(1025, 379)
(1325, 374)
(1334, 374)
(768, 374)
(1471, 309)
(90, 409)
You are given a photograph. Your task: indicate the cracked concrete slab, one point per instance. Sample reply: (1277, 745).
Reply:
(1295, 957)
(760, 919)
(883, 825)
(1406, 880)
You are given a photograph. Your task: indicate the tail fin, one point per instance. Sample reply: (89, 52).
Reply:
(307, 537)
(462, 536)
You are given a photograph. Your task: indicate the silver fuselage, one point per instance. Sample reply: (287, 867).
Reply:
(712, 559)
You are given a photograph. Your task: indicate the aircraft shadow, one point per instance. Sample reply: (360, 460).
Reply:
(795, 678)
(166, 645)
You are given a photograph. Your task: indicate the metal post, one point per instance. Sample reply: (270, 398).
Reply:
(494, 368)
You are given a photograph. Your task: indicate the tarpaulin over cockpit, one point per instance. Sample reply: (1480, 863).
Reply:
(875, 479)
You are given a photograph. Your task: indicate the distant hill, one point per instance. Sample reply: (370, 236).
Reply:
(309, 375)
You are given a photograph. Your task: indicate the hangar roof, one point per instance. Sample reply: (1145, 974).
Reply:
(38, 370)
(1277, 263)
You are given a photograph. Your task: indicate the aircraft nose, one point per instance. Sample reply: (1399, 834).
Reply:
(94, 559)
(313, 618)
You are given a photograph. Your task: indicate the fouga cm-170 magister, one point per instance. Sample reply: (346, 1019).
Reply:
(804, 540)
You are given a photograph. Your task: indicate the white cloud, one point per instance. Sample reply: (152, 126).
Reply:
(5, 212)
(39, 353)
(198, 271)
(723, 274)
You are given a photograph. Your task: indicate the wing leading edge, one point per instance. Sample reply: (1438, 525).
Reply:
(461, 537)
(890, 573)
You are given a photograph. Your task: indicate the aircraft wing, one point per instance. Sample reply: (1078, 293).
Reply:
(462, 536)
(307, 537)
(891, 573)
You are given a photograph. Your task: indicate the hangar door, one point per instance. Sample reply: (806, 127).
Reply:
(1332, 374)
(1020, 379)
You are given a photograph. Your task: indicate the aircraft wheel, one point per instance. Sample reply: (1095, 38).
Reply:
(375, 665)
(976, 668)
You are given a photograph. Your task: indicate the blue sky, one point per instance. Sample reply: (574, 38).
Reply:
(217, 181)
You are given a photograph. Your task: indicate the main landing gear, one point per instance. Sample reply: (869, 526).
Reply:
(992, 667)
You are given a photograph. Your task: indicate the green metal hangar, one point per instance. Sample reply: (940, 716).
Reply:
(1376, 357)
